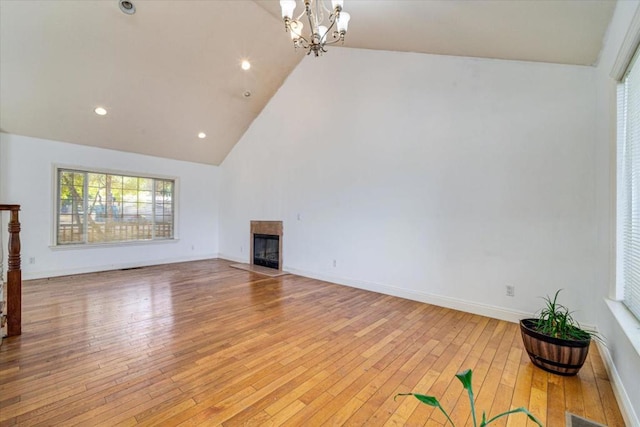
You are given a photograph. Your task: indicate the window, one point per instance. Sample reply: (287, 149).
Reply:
(95, 207)
(629, 186)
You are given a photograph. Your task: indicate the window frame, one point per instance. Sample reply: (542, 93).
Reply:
(621, 184)
(56, 168)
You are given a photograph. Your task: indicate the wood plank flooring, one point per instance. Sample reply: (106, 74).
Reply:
(201, 343)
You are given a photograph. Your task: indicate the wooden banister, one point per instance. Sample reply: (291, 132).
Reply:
(14, 273)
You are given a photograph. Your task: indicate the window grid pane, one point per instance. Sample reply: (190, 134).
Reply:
(70, 218)
(163, 226)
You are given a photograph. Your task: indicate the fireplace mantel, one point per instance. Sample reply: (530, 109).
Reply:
(273, 228)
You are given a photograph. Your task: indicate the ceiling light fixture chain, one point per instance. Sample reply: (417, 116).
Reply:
(319, 31)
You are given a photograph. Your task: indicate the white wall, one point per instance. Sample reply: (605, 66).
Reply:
(622, 356)
(437, 178)
(26, 171)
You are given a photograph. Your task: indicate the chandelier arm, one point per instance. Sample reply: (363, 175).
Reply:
(304, 43)
(333, 19)
(312, 23)
(336, 39)
(300, 40)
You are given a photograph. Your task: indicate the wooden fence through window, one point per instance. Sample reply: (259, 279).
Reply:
(113, 232)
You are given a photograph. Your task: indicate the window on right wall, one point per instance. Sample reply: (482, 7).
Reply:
(628, 191)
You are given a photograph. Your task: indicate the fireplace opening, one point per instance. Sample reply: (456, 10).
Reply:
(266, 250)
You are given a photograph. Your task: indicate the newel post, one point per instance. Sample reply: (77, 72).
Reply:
(14, 273)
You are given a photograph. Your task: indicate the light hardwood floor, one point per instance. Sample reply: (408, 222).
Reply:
(203, 343)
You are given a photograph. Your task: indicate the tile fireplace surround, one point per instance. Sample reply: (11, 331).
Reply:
(273, 228)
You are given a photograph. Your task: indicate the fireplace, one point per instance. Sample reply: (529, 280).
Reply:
(266, 250)
(266, 244)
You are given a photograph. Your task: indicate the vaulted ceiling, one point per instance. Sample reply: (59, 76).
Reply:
(172, 69)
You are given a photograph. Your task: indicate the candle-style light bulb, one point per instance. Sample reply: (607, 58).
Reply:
(288, 6)
(343, 22)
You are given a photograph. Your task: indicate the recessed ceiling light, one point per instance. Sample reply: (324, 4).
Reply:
(127, 7)
(246, 65)
(202, 135)
(100, 111)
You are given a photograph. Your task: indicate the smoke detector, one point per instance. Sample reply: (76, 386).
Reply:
(127, 7)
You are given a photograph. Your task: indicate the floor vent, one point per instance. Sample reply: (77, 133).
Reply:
(575, 421)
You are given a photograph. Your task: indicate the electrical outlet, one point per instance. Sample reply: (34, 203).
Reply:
(334, 262)
(511, 291)
(32, 260)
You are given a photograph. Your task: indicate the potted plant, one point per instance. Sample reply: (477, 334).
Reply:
(554, 341)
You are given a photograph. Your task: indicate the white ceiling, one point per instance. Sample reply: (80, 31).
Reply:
(172, 69)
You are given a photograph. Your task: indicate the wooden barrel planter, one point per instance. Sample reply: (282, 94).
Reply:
(555, 355)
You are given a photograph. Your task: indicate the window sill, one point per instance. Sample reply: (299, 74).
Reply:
(627, 321)
(112, 244)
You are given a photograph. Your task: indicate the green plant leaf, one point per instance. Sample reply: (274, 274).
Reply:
(465, 378)
(556, 320)
(514, 411)
(429, 400)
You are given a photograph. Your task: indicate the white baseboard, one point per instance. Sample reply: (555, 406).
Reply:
(96, 268)
(626, 408)
(439, 300)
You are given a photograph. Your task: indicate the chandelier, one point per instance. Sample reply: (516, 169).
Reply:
(321, 32)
